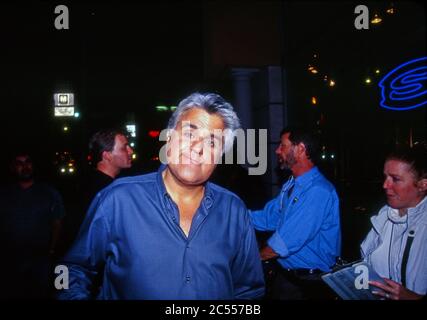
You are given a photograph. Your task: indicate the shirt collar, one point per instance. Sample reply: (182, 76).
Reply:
(307, 176)
(394, 216)
(419, 209)
(208, 197)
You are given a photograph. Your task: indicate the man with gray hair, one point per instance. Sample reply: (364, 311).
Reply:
(171, 234)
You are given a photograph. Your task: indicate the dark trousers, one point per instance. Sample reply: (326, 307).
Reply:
(293, 285)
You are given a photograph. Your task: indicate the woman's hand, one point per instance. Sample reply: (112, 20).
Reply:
(393, 290)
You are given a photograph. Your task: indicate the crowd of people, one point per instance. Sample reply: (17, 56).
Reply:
(174, 234)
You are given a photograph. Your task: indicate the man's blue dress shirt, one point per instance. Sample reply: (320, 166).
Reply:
(132, 235)
(306, 223)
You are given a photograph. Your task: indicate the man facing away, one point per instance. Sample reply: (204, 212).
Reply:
(171, 234)
(305, 220)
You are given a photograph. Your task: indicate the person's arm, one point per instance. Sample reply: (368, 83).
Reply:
(87, 256)
(267, 218)
(303, 222)
(246, 268)
(394, 291)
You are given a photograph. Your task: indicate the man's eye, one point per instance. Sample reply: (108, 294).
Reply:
(188, 134)
(210, 142)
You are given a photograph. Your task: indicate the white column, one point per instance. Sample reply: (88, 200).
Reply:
(243, 94)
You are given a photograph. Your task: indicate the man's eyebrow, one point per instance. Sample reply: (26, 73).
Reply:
(218, 137)
(393, 175)
(191, 125)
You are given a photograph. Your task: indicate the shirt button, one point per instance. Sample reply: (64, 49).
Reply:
(187, 279)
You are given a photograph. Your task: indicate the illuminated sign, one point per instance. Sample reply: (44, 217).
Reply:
(63, 99)
(405, 87)
(64, 111)
(131, 128)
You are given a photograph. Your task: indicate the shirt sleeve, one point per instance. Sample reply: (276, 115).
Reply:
(247, 269)
(302, 223)
(87, 256)
(268, 218)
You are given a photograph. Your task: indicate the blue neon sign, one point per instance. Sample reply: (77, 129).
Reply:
(405, 87)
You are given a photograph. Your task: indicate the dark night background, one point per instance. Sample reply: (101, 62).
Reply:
(123, 59)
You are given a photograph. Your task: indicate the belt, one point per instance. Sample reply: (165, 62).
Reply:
(301, 272)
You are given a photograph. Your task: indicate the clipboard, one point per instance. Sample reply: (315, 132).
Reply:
(344, 281)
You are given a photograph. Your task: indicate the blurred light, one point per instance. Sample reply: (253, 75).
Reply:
(154, 133)
(376, 19)
(162, 108)
(332, 156)
(71, 170)
(377, 71)
(331, 83)
(131, 128)
(76, 114)
(132, 144)
(155, 158)
(65, 128)
(315, 55)
(312, 69)
(172, 108)
(133, 156)
(70, 164)
(62, 169)
(325, 78)
(313, 100)
(368, 81)
(391, 10)
(323, 156)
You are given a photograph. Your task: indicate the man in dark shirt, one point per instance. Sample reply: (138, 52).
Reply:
(111, 153)
(171, 234)
(30, 221)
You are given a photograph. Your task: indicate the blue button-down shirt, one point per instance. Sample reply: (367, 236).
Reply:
(306, 222)
(132, 233)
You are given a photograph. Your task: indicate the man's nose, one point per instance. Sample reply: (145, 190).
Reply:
(197, 146)
(386, 184)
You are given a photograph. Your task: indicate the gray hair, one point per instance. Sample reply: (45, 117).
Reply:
(212, 103)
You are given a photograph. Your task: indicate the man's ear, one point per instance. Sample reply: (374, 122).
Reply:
(301, 149)
(106, 155)
(422, 185)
